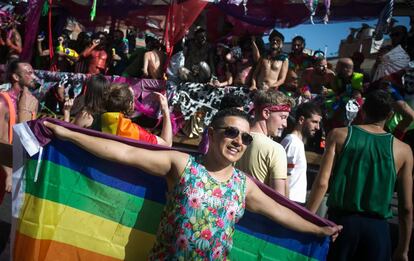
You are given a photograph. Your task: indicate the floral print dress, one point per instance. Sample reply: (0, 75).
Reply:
(199, 217)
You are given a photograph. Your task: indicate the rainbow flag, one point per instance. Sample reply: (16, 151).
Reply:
(70, 205)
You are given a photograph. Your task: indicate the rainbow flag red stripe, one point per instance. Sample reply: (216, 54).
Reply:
(80, 207)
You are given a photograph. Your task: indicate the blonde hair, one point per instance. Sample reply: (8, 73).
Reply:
(271, 97)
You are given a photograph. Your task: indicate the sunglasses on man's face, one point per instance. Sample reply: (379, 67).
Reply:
(233, 132)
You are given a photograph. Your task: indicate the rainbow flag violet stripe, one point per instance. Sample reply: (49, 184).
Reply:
(70, 205)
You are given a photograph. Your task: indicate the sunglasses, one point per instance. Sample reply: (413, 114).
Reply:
(233, 132)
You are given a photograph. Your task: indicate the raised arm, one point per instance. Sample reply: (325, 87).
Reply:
(405, 204)
(67, 108)
(40, 48)
(16, 43)
(255, 73)
(255, 49)
(320, 185)
(159, 163)
(88, 51)
(166, 132)
(408, 117)
(258, 202)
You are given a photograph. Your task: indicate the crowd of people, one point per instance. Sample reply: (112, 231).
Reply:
(295, 96)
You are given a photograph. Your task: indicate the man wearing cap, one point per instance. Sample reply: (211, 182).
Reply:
(266, 159)
(271, 69)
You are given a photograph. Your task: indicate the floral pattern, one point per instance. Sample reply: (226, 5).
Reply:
(199, 217)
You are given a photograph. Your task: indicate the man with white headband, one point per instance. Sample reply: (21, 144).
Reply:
(266, 159)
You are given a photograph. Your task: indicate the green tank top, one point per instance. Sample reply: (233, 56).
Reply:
(364, 176)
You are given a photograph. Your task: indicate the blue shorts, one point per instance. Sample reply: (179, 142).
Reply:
(362, 238)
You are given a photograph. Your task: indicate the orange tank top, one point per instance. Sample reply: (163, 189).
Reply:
(12, 114)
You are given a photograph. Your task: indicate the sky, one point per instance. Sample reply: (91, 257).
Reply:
(319, 35)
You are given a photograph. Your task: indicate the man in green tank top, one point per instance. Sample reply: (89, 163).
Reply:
(366, 163)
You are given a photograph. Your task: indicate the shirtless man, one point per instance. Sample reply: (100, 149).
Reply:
(98, 56)
(16, 105)
(272, 69)
(299, 60)
(198, 59)
(154, 60)
(318, 78)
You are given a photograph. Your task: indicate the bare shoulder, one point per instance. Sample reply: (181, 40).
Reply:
(307, 71)
(338, 134)
(179, 162)
(336, 138)
(330, 72)
(402, 152)
(84, 119)
(250, 185)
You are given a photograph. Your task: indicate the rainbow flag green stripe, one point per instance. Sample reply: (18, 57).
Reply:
(85, 208)
(45, 220)
(259, 247)
(68, 187)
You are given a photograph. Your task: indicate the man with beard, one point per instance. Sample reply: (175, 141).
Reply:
(318, 78)
(97, 55)
(265, 159)
(272, 69)
(308, 118)
(16, 105)
(298, 60)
